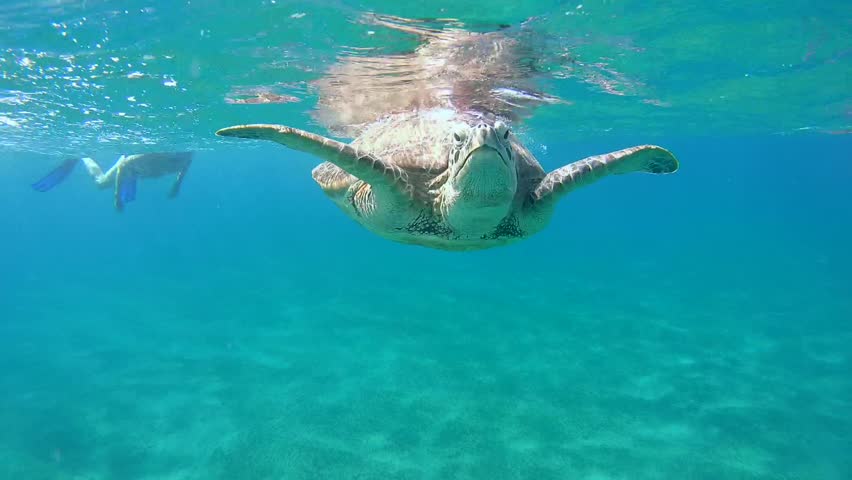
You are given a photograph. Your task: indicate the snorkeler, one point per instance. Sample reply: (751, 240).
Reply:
(124, 173)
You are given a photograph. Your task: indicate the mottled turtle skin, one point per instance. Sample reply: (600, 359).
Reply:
(439, 209)
(433, 160)
(446, 179)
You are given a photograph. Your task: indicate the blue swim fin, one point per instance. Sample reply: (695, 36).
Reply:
(56, 176)
(127, 188)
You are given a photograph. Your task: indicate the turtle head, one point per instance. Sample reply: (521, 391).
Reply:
(483, 177)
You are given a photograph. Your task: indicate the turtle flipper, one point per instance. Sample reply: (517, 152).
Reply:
(56, 176)
(365, 166)
(404, 25)
(643, 158)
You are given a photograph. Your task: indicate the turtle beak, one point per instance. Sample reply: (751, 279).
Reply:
(485, 146)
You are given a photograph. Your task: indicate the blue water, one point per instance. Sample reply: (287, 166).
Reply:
(690, 326)
(695, 326)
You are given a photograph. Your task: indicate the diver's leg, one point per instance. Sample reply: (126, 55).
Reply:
(179, 180)
(102, 179)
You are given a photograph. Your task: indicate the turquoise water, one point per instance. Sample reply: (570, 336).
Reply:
(689, 326)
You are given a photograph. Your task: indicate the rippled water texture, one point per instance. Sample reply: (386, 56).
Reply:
(691, 326)
(97, 75)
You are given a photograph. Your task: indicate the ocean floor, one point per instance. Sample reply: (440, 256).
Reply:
(608, 373)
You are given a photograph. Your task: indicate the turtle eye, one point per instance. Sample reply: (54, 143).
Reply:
(459, 135)
(502, 129)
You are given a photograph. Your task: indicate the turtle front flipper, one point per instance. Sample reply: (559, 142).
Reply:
(378, 173)
(643, 158)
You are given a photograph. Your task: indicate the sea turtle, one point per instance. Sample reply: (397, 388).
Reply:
(424, 170)
(124, 173)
